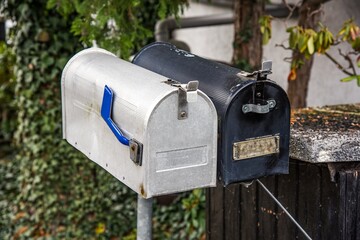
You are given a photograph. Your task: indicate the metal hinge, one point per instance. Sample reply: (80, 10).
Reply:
(136, 149)
(187, 93)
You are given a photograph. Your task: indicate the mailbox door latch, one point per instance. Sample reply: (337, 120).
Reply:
(187, 93)
(259, 104)
(260, 74)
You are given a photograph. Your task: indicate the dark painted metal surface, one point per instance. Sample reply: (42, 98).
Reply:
(230, 92)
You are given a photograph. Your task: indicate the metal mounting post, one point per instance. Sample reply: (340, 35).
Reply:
(144, 218)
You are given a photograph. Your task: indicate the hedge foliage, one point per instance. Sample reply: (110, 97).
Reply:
(50, 190)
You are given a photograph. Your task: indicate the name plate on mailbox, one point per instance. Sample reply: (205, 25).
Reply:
(257, 147)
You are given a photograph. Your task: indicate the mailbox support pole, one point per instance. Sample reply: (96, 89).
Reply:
(144, 218)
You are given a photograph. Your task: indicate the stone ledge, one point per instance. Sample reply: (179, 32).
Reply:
(327, 134)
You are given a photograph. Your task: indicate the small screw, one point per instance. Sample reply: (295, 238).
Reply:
(271, 104)
(183, 114)
(258, 94)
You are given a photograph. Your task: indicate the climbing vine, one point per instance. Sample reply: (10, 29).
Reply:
(55, 191)
(61, 194)
(7, 83)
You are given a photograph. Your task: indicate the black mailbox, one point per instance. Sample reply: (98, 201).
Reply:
(253, 111)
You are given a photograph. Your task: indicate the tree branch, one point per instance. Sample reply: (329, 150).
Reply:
(320, 10)
(351, 64)
(291, 8)
(338, 65)
(287, 59)
(354, 53)
(283, 46)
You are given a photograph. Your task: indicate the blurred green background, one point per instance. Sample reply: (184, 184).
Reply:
(49, 190)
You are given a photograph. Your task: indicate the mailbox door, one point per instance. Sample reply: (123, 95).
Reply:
(182, 153)
(255, 144)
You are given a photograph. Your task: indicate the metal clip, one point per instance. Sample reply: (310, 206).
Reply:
(260, 74)
(187, 93)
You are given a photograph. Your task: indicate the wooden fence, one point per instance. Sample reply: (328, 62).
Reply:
(321, 191)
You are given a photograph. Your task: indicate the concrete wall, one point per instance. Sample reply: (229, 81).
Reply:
(325, 88)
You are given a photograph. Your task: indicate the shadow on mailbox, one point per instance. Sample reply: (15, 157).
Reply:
(253, 111)
(154, 135)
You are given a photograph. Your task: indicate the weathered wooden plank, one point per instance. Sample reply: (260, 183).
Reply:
(267, 209)
(330, 206)
(249, 212)
(342, 205)
(349, 182)
(357, 219)
(309, 203)
(232, 212)
(215, 213)
(288, 196)
(350, 207)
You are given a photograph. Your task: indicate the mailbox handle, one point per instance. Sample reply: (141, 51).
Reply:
(106, 108)
(261, 109)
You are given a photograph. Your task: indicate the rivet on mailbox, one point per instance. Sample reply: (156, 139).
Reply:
(253, 111)
(154, 134)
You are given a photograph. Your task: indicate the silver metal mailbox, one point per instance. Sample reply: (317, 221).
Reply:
(153, 134)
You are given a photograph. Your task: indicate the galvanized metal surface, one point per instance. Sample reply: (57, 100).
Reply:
(144, 218)
(178, 155)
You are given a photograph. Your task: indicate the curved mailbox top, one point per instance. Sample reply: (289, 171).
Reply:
(219, 81)
(253, 111)
(129, 120)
